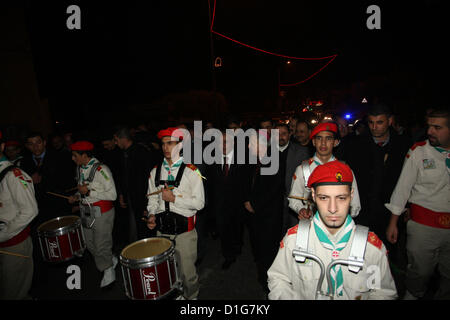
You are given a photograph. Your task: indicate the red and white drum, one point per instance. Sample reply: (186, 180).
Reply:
(149, 269)
(61, 239)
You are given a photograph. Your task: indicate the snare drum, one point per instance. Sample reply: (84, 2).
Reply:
(149, 269)
(61, 239)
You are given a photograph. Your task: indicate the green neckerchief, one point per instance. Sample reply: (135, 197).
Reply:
(337, 279)
(446, 154)
(169, 169)
(90, 163)
(3, 159)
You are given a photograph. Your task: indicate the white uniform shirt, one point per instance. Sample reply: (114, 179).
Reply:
(424, 181)
(291, 280)
(298, 188)
(102, 186)
(18, 206)
(189, 196)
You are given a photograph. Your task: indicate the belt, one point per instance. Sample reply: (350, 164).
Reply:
(429, 217)
(105, 205)
(21, 236)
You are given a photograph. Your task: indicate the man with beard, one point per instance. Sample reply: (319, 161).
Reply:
(425, 183)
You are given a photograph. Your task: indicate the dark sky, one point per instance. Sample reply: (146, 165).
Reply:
(136, 51)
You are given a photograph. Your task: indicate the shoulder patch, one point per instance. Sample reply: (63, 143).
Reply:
(374, 240)
(99, 168)
(156, 166)
(293, 230)
(418, 144)
(281, 244)
(294, 177)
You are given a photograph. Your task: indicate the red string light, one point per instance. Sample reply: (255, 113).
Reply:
(331, 58)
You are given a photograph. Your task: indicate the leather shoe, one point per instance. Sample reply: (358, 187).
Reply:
(227, 264)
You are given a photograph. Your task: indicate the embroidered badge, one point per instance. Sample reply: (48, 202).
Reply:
(429, 164)
(339, 177)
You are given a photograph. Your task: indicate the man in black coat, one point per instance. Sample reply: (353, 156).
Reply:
(376, 159)
(227, 182)
(264, 205)
(50, 171)
(291, 156)
(137, 162)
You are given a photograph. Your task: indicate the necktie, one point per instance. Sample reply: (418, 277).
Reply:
(225, 167)
(38, 161)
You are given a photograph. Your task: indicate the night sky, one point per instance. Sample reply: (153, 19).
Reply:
(135, 52)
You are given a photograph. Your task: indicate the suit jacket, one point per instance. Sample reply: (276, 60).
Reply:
(58, 174)
(227, 194)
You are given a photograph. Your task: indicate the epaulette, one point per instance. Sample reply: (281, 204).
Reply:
(99, 168)
(311, 160)
(374, 240)
(294, 177)
(17, 172)
(418, 144)
(191, 166)
(293, 230)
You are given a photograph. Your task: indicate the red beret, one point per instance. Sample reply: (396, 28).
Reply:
(325, 126)
(82, 146)
(170, 132)
(331, 173)
(12, 143)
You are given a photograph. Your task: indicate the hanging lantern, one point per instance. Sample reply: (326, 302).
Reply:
(218, 62)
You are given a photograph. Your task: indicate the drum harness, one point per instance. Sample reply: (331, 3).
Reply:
(354, 262)
(88, 213)
(170, 222)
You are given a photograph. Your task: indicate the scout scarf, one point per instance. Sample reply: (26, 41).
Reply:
(170, 169)
(90, 163)
(337, 279)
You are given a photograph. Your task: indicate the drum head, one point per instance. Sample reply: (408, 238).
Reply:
(146, 248)
(58, 223)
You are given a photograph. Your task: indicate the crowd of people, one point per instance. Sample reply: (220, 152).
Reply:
(129, 184)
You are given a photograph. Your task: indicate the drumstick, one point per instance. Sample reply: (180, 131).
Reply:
(299, 198)
(75, 188)
(58, 195)
(13, 254)
(159, 191)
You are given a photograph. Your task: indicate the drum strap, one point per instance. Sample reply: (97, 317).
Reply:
(302, 238)
(358, 249)
(306, 172)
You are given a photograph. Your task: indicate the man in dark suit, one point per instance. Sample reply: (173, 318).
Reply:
(137, 162)
(227, 181)
(291, 156)
(51, 172)
(264, 204)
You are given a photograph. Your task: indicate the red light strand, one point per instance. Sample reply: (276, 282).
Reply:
(332, 57)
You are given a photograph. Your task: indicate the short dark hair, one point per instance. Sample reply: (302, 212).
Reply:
(123, 132)
(308, 125)
(34, 134)
(282, 124)
(441, 112)
(379, 109)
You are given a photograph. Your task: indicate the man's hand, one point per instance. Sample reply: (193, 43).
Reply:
(167, 194)
(83, 189)
(73, 199)
(150, 220)
(122, 202)
(36, 177)
(249, 207)
(304, 214)
(392, 233)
